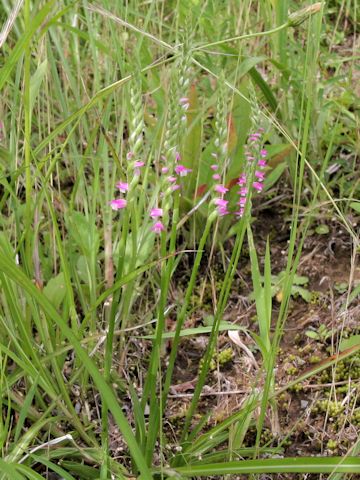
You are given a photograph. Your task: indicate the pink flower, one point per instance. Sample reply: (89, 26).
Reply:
(249, 157)
(242, 179)
(139, 164)
(214, 167)
(156, 212)
(242, 201)
(259, 175)
(222, 211)
(263, 152)
(240, 212)
(221, 189)
(171, 179)
(243, 191)
(258, 186)
(255, 135)
(182, 170)
(130, 155)
(177, 157)
(158, 227)
(164, 170)
(123, 187)
(216, 176)
(175, 187)
(118, 203)
(262, 163)
(220, 202)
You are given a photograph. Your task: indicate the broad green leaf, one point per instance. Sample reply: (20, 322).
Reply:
(349, 342)
(55, 290)
(304, 294)
(272, 177)
(355, 206)
(264, 87)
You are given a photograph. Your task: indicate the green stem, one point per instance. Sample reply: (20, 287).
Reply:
(244, 37)
(182, 314)
(224, 294)
(27, 139)
(109, 346)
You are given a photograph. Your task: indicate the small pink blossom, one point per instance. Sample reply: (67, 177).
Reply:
(243, 191)
(259, 175)
(250, 157)
(118, 203)
(171, 179)
(258, 186)
(158, 227)
(183, 100)
(263, 152)
(214, 167)
(139, 164)
(220, 202)
(242, 179)
(164, 170)
(156, 212)
(240, 212)
(177, 157)
(262, 163)
(175, 187)
(216, 176)
(222, 211)
(221, 189)
(182, 170)
(123, 187)
(130, 155)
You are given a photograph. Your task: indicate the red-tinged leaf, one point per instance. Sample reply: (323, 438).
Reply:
(232, 135)
(231, 183)
(201, 190)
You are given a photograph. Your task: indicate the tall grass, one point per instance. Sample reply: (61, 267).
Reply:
(87, 93)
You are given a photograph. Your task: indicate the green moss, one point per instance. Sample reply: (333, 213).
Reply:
(332, 445)
(314, 359)
(332, 408)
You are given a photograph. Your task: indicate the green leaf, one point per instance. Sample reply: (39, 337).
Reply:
(187, 332)
(355, 206)
(264, 87)
(274, 175)
(300, 279)
(322, 229)
(36, 81)
(349, 342)
(55, 290)
(312, 334)
(304, 294)
(278, 465)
